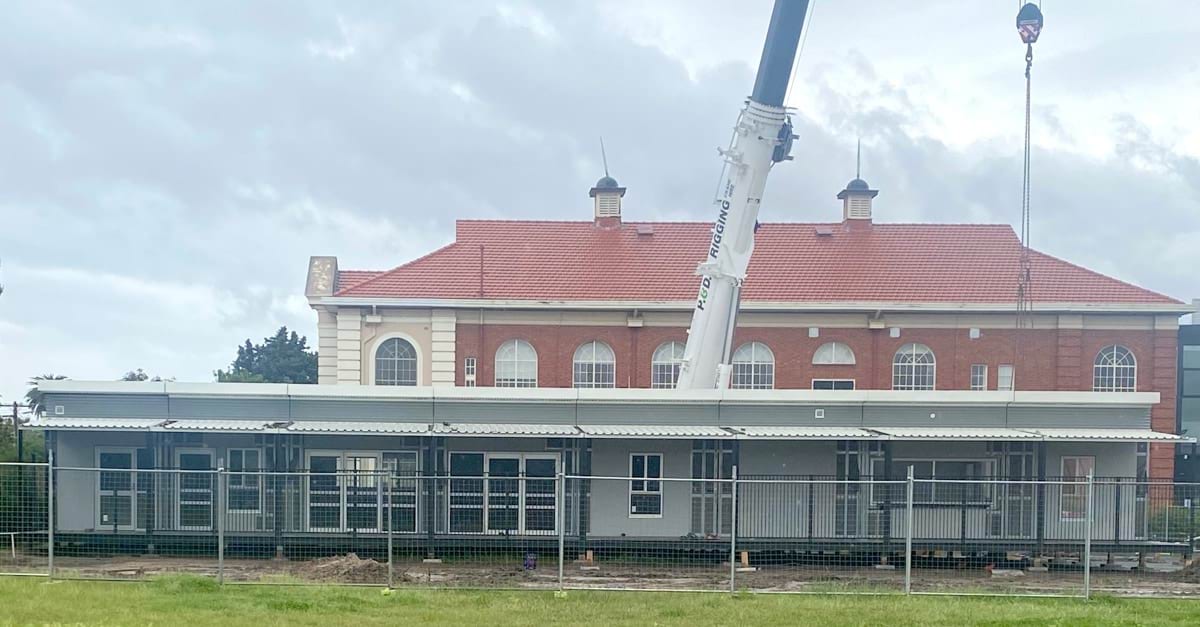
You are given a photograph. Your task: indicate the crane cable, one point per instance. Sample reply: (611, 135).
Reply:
(1029, 26)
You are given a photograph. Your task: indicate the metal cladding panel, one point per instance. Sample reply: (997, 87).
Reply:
(805, 433)
(266, 408)
(493, 429)
(505, 412)
(956, 433)
(359, 427)
(1085, 417)
(791, 415)
(99, 424)
(1108, 435)
(404, 410)
(932, 416)
(108, 405)
(654, 431)
(648, 414)
(208, 424)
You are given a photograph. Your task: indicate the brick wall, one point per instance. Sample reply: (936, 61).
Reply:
(1051, 359)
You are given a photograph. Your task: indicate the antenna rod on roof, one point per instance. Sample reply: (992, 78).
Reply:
(603, 157)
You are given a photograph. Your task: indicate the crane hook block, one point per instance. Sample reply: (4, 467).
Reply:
(1029, 23)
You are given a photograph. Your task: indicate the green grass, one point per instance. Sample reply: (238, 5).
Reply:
(195, 601)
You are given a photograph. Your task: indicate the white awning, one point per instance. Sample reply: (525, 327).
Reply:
(805, 433)
(653, 431)
(359, 427)
(503, 429)
(94, 424)
(955, 433)
(1107, 435)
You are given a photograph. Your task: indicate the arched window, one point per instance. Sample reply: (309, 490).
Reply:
(664, 365)
(1115, 370)
(833, 354)
(395, 363)
(753, 367)
(913, 368)
(594, 366)
(516, 365)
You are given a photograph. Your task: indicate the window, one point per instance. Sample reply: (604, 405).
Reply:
(1073, 504)
(395, 363)
(833, 384)
(913, 368)
(1004, 377)
(753, 367)
(645, 494)
(243, 490)
(978, 377)
(930, 493)
(664, 365)
(833, 354)
(594, 366)
(488, 494)
(469, 368)
(516, 365)
(115, 488)
(1115, 370)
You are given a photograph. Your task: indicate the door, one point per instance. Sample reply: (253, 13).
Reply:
(405, 490)
(196, 483)
(324, 493)
(540, 495)
(466, 493)
(362, 483)
(503, 494)
(116, 490)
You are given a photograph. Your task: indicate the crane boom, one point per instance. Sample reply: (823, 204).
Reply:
(762, 137)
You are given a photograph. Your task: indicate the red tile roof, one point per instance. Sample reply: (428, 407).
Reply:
(578, 261)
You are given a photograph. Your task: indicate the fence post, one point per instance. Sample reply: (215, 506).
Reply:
(50, 512)
(1087, 541)
(908, 533)
(733, 530)
(222, 482)
(387, 480)
(560, 504)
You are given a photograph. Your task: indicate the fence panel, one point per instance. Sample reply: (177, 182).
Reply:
(23, 519)
(652, 533)
(820, 535)
(988, 536)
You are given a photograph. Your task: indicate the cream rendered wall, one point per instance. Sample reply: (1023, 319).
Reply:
(432, 333)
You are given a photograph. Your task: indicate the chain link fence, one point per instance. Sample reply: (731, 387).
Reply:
(535, 529)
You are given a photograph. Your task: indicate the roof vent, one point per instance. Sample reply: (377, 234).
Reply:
(856, 198)
(645, 229)
(824, 231)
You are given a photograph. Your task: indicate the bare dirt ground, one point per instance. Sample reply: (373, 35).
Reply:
(1154, 579)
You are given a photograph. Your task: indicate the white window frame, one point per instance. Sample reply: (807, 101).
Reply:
(378, 343)
(514, 382)
(595, 380)
(233, 479)
(340, 476)
(1115, 370)
(832, 360)
(853, 384)
(989, 470)
(1077, 486)
(1001, 376)
(470, 367)
(912, 366)
(416, 480)
(645, 479)
(213, 491)
(981, 384)
(133, 487)
(521, 490)
(672, 363)
(754, 361)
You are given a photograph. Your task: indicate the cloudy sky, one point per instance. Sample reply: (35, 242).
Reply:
(166, 170)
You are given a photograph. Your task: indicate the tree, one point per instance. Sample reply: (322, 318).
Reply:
(140, 375)
(31, 398)
(281, 358)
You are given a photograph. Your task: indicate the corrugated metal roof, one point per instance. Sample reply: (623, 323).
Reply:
(208, 424)
(494, 429)
(955, 433)
(1107, 435)
(58, 422)
(345, 426)
(654, 431)
(805, 433)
